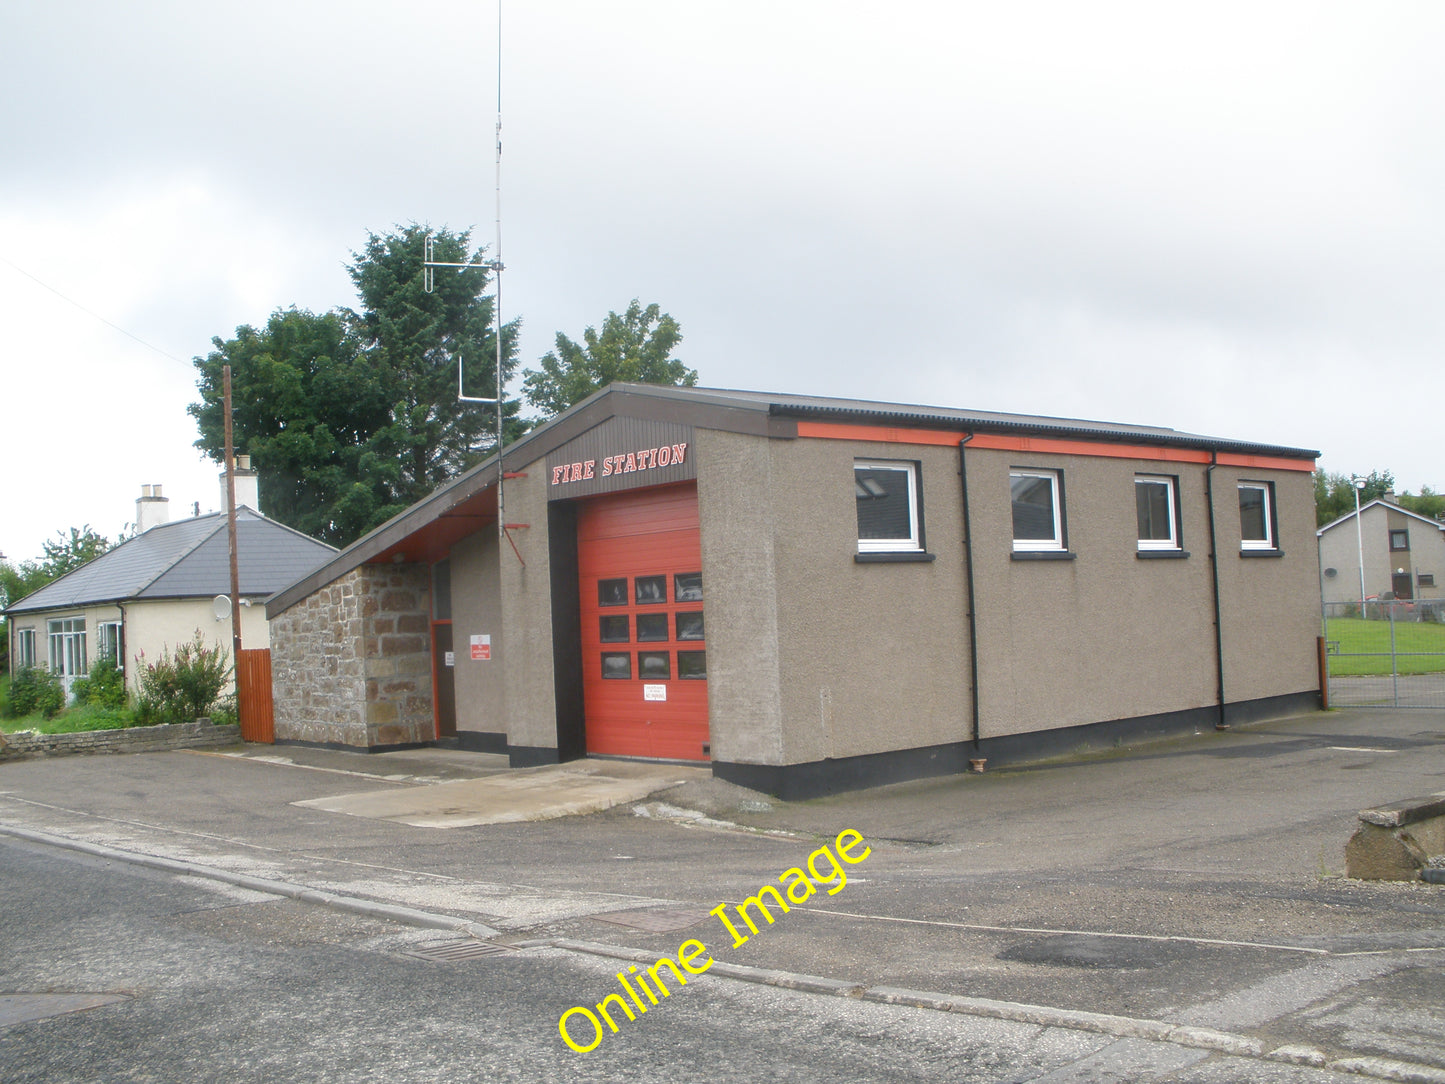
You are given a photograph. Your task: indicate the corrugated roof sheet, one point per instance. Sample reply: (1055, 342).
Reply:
(189, 558)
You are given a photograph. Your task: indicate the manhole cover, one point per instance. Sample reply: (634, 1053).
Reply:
(654, 921)
(459, 950)
(1082, 950)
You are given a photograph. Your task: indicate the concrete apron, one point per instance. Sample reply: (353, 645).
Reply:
(525, 794)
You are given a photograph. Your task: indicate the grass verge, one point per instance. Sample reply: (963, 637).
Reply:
(1362, 648)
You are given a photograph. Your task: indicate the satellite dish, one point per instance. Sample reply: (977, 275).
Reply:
(221, 607)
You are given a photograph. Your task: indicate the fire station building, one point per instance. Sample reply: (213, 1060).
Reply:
(815, 594)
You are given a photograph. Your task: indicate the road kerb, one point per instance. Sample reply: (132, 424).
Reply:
(409, 916)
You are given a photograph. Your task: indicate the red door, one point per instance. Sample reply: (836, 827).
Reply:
(644, 659)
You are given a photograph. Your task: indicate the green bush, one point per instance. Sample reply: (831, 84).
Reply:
(103, 687)
(183, 685)
(33, 689)
(224, 713)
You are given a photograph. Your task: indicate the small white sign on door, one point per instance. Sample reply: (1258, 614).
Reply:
(451, 658)
(654, 692)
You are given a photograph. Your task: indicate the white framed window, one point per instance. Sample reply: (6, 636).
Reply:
(1038, 513)
(108, 645)
(1156, 506)
(24, 649)
(1256, 516)
(888, 517)
(67, 646)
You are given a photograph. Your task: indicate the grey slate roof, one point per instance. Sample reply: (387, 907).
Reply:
(186, 559)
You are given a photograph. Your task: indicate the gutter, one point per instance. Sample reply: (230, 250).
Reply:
(1221, 724)
(968, 572)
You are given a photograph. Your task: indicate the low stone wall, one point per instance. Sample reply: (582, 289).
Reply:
(136, 739)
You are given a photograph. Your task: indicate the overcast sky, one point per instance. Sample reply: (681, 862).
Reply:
(1224, 218)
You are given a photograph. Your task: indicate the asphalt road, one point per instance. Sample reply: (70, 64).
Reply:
(227, 986)
(1194, 884)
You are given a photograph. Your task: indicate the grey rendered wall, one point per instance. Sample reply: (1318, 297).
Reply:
(1271, 605)
(477, 610)
(873, 657)
(740, 604)
(810, 654)
(526, 663)
(1340, 548)
(1103, 636)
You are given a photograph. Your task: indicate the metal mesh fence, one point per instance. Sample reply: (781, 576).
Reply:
(1386, 654)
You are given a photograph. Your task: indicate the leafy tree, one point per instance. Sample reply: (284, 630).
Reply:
(305, 400)
(1335, 493)
(1428, 503)
(61, 555)
(414, 339)
(635, 346)
(65, 554)
(351, 416)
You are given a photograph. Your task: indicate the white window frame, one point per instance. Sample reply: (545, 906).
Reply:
(1040, 545)
(914, 542)
(24, 649)
(1171, 487)
(108, 642)
(1270, 540)
(67, 647)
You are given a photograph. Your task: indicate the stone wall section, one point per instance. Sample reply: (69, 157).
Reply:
(351, 663)
(396, 630)
(137, 739)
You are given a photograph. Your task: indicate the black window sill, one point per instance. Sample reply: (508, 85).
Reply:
(1162, 555)
(1043, 555)
(1261, 553)
(902, 557)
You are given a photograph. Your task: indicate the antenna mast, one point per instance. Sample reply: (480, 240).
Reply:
(496, 266)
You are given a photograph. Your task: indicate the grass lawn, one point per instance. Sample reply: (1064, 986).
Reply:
(69, 721)
(1364, 647)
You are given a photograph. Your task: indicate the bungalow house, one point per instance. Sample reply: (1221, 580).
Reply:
(157, 589)
(814, 594)
(1402, 552)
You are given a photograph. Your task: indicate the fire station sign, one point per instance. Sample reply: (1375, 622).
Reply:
(619, 454)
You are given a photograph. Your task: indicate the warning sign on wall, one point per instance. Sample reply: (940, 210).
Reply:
(481, 648)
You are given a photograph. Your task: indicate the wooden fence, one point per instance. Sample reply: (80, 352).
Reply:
(253, 688)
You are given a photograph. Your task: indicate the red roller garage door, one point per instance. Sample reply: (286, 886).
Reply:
(643, 649)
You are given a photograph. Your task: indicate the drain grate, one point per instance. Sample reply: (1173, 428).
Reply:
(654, 921)
(459, 950)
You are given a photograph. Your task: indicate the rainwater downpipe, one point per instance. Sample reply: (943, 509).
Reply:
(968, 573)
(1214, 570)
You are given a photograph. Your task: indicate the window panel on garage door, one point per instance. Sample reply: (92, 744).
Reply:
(641, 599)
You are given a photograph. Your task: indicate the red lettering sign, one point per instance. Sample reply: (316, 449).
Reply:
(663, 455)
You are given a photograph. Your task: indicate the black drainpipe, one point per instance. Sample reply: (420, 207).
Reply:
(968, 570)
(1214, 569)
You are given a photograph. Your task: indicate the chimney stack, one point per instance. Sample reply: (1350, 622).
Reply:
(248, 490)
(150, 509)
